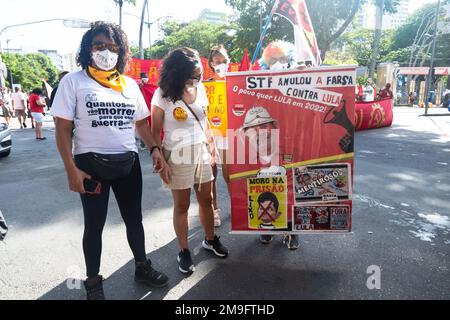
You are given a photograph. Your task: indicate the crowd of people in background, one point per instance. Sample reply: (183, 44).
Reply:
(367, 92)
(16, 105)
(19, 107)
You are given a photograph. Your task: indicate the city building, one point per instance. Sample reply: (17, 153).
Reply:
(214, 17)
(392, 21)
(13, 50)
(69, 62)
(366, 17)
(55, 57)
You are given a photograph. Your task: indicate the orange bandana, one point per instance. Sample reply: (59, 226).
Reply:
(111, 79)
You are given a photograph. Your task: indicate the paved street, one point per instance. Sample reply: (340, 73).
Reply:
(401, 223)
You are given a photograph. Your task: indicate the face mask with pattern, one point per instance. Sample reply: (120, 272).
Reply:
(105, 59)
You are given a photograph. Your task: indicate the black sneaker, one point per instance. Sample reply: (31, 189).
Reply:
(185, 263)
(291, 241)
(24, 125)
(94, 288)
(147, 275)
(216, 247)
(266, 238)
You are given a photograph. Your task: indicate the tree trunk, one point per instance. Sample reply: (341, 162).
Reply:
(341, 30)
(377, 37)
(120, 12)
(141, 28)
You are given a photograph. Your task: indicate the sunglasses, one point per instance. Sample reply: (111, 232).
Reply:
(100, 46)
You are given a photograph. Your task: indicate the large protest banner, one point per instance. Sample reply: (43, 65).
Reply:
(374, 114)
(150, 67)
(292, 135)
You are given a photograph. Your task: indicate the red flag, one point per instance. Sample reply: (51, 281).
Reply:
(256, 66)
(245, 62)
(296, 12)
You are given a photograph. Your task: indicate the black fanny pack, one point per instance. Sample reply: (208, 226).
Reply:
(112, 166)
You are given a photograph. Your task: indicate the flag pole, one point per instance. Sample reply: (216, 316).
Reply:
(264, 31)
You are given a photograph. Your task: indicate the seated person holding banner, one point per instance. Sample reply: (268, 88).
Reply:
(277, 55)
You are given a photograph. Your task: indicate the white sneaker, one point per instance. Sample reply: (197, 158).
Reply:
(217, 221)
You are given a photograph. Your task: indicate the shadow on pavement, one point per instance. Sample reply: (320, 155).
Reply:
(121, 285)
(234, 278)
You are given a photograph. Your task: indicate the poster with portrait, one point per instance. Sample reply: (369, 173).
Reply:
(320, 217)
(327, 182)
(293, 123)
(267, 202)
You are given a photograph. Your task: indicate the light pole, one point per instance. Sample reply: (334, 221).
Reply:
(431, 71)
(141, 46)
(149, 25)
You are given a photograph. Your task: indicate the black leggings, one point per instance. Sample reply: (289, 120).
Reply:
(128, 192)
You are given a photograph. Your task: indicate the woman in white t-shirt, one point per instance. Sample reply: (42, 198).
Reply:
(178, 108)
(106, 109)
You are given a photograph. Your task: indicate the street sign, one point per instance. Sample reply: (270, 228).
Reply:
(413, 70)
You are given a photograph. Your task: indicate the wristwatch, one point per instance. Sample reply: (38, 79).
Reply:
(153, 148)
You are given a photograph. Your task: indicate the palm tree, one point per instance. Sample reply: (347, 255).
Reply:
(120, 4)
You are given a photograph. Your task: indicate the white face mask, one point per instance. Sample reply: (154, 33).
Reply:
(105, 60)
(144, 80)
(194, 85)
(221, 69)
(279, 66)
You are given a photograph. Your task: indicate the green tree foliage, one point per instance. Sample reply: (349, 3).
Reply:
(29, 70)
(248, 25)
(359, 44)
(412, 41)
(198, 35)
(330, 19)
(339, 58)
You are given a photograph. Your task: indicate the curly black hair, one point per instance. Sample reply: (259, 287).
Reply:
(177, 68)
(113, 32)
(37, 91)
